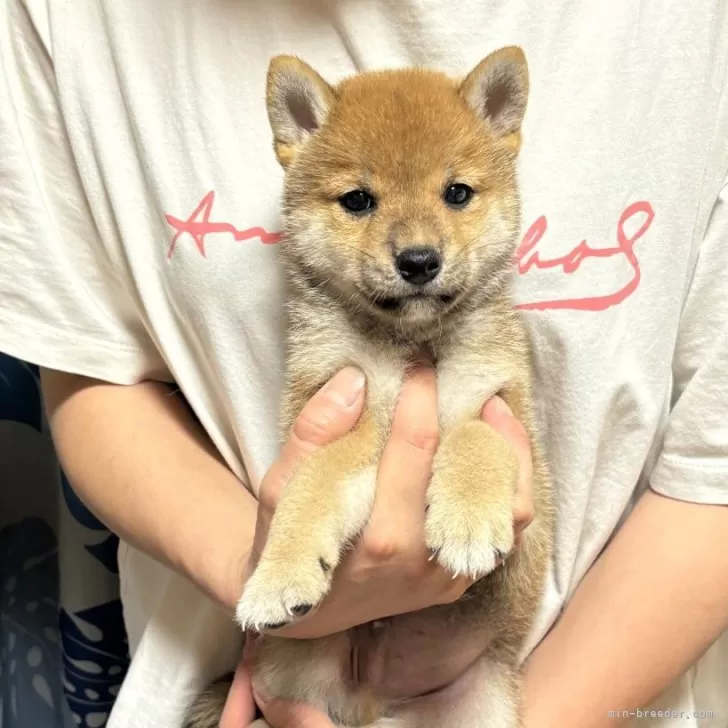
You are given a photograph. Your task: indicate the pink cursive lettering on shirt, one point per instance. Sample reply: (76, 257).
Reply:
(198, 226)
(528, 256)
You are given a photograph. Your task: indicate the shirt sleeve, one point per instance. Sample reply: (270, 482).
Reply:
(693, 464)
(62, 304)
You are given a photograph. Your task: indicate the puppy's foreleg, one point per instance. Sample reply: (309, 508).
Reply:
(323, 509)
(469, 522)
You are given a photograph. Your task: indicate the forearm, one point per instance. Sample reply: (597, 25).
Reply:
(142, 464)
(651, 605)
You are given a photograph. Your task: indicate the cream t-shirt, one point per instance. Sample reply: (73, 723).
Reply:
(138, 238)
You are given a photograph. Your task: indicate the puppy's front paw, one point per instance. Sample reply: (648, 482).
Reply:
(280, 593)
(469, 522)
(468, 539)
(307, 537)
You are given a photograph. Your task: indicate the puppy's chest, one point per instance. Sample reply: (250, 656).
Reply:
(466, 374)
(464, 382)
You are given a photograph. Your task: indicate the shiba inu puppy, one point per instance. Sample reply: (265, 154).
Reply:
(401, 215)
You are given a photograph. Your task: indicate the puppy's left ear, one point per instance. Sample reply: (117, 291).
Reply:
(497, 90)
(298, 101)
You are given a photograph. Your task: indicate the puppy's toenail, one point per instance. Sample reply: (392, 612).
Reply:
(325, 565)
(500, 556)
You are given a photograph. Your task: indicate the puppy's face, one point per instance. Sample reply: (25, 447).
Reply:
(401, 194)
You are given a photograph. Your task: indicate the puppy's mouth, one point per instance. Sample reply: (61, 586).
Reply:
(397, 303)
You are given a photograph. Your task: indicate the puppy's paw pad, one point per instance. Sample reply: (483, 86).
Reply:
(301, 610)
(269, 627)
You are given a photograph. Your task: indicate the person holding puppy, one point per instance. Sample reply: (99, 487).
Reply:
(138, 244)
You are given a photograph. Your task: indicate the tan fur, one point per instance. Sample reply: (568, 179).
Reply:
(405, 136)
(205, 713)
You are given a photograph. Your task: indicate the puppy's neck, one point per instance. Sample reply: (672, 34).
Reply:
(420, 341)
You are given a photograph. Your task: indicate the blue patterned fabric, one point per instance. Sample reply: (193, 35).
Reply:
(63, 649)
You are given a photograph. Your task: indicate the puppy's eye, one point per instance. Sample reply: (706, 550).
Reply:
(357, 202)
(458, 195)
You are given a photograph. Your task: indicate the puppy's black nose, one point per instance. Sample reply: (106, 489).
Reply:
(419, 265)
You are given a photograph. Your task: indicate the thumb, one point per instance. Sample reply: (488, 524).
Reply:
(239, 708)
(284, 714)
(328, 415)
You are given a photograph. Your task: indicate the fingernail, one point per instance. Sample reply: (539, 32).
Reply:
(501, 407)
(345, 388)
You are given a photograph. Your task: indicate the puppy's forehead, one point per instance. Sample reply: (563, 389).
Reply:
(410, 116)
(391, 89)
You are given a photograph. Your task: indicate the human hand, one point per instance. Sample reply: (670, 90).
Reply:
(285, 714)
(438, 655)
(281, 714)
(389, 571)
(245, 695)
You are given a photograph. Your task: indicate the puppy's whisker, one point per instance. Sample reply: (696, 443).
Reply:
(357, 251)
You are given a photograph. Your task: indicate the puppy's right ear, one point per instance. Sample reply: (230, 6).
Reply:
(298, 101)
